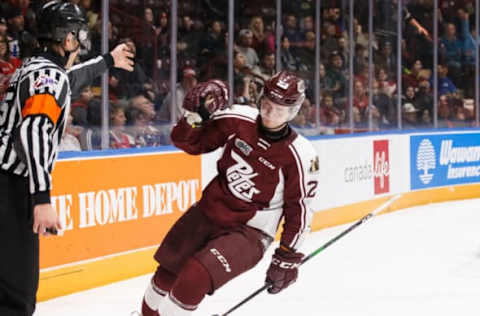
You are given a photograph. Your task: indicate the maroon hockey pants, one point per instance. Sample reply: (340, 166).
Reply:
(197, 256)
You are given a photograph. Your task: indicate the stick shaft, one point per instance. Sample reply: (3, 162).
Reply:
(323, 247)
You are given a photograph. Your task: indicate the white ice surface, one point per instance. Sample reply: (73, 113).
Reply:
(421, 261)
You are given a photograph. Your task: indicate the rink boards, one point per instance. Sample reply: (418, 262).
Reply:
(117, 205)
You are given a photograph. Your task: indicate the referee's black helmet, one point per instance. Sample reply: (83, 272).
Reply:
(56, 19)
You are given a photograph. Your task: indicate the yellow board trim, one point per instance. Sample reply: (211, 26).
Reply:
(83, 276)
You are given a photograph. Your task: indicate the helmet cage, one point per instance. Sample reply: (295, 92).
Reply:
(78, 30)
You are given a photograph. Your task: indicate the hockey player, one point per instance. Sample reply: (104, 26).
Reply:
(32, 120)
(266, 172)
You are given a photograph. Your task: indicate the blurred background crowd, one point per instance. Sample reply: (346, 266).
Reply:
(356, 80)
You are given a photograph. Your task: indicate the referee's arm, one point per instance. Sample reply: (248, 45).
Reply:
(83, 74)
(41, 114)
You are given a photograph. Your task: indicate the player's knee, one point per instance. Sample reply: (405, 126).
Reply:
(192, 284)
(164, 279)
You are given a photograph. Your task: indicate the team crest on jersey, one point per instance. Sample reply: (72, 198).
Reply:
(239, 177)
(44, 81)
(245, 148)
(314, 165)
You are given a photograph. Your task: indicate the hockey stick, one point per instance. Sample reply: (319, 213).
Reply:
(316, 252)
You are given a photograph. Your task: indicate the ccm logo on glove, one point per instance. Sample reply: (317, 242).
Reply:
(285, 265)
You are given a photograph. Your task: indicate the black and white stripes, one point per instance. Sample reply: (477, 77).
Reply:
(29, 141)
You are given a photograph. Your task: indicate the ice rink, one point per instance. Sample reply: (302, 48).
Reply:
(420, 261)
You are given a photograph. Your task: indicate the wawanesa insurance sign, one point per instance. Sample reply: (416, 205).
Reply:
(447, 159)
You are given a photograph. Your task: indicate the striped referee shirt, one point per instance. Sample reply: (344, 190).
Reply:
(34, 113)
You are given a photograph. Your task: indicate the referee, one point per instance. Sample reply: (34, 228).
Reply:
(32, 120)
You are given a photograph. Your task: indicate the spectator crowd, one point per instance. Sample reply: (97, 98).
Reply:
(141, 103)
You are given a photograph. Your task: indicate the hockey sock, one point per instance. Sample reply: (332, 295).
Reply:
(157, 289)
(170, 307)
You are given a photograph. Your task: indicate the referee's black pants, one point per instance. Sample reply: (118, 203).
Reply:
(19, 248)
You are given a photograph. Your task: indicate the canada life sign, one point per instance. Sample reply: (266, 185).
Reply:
(381, 163)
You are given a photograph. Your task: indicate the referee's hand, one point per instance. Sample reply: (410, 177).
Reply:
(45, 217)
(123, 57)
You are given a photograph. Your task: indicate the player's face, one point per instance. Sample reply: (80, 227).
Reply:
(274, 116)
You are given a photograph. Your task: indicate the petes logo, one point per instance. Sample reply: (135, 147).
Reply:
(239, 179)
(426, 160)
(245, 148)
(45, 82)
(381, 165)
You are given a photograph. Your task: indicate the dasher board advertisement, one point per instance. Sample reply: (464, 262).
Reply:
(445, 159)
(109, 205)
(358, 169)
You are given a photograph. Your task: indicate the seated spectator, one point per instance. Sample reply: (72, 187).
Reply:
(130, 83)
(289, 60)
(92, 16)
(409, 96)
(304, 122)
(118, 137)
(213, 43)
(70, 140)
(387, 110)
(306, 53)
(360, 37)
(389, 87)
(385, 58)
(79, 107)
(188, 38)
(329, 114)
(361, 108)
(142, 128)
(360, 99)
(164, 29)
(145, 105)
(18, 37)
(449, 115)
(424, 101)
(307, 24)
(327, 85)
(360, 59)
(240, 70)
(452, 47)
(291, 30)
(3, 26)
(445, 84)
(329, 39)
(336, 74)
(409, 116)
(258, 30)
(188, 81)
(267, 68)
(246, 91)
(411, 77)
(468, 54)
(244, 46)
(8, 64)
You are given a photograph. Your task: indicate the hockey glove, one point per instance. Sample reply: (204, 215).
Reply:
(206, 98)
(283, 269)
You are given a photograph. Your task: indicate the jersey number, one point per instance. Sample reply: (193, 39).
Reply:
(312, 188)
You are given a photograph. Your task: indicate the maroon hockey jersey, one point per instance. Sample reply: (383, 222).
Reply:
(259, 181)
